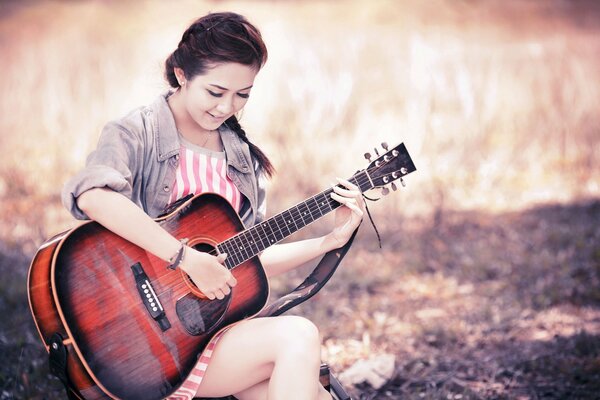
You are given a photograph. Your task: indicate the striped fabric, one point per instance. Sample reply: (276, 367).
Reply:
(189, 387)
(201, 171)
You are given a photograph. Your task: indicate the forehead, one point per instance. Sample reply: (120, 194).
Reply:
(232, 76)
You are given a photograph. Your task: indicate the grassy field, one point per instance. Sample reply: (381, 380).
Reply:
(488, 283)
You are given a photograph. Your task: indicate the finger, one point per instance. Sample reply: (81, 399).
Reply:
(346, 192)
(219, 294)
(209, 295)
(221, 258)
(347, 184)
(348, 202)
(355, 209)
(343, 199)
(226, 290)
(356, 195)
(232, 281)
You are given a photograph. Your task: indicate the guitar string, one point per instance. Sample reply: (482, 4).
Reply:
(366, 178)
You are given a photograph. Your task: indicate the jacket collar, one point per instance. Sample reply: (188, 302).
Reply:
(167, 139)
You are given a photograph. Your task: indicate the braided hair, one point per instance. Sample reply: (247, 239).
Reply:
(220, 38)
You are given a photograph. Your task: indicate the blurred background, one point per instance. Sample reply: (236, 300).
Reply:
(488, 281)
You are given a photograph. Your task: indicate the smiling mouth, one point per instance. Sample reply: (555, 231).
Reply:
(214, 116)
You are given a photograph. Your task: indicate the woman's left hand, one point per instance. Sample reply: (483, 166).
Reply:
(349, 216)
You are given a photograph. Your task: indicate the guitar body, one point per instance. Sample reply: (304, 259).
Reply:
(86, 284)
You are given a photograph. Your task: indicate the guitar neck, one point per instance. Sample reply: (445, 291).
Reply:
(252, 241)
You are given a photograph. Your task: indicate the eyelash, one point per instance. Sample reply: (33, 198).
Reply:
(242, 95)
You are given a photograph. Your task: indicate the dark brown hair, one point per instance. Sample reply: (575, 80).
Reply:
(214, 39)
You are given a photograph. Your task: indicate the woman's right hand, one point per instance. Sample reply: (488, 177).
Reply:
(208, 273)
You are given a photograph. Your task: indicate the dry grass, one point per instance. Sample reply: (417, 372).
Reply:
(496, 102)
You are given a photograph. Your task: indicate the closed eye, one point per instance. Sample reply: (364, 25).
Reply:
(244, 95)
(214, 94)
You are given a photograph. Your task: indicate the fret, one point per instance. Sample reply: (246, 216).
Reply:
(260, 233)
(305, 213)
(232, 257)
(281, 226)
(251, 244)
(321, 203)
(276, 232)
(241, 247)
(290, 221)
(333, 204)
(313, 206)
(258, 239)
(268, 234)
(295, 211)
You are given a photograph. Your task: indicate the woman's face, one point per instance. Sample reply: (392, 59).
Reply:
(218, 94)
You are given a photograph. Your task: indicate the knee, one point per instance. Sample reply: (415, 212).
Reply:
(302, 330)
(300, 335)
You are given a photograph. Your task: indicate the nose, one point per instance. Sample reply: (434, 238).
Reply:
(225, 106)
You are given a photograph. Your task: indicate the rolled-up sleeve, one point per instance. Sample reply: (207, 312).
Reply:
(111, 165)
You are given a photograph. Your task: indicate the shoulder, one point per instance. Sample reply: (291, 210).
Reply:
(150, 124)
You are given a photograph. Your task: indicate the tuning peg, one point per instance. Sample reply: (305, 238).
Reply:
(368, 156)
(394, 187)
(384, 145)
(402, 182)
(385, 191)
(376, 152)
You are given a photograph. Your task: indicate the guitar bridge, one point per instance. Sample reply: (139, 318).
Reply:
(149, 297)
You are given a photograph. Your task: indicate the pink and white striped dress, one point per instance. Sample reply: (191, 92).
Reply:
(201, 171)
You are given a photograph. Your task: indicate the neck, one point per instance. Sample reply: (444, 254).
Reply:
(186, 126)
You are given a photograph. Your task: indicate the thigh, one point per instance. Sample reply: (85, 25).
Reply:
(244, 356)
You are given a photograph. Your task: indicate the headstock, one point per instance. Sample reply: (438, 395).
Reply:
(388, 167)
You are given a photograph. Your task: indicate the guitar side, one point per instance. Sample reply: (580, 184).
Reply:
(95, 279)
(48, 322)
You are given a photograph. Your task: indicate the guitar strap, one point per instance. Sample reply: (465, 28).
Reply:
(312, 284)
(58, 365)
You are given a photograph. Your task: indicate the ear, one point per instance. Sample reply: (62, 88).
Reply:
(179, 75)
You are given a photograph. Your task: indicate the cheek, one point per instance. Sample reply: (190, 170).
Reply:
(239, 103)
(199, 102)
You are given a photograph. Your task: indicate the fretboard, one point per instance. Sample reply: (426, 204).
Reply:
(252, 241)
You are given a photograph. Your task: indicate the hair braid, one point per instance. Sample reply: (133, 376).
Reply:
(263, 161)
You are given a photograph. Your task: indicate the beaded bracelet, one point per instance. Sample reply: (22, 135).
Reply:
(178, 257)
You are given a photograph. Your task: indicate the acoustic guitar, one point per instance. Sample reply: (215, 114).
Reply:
(118, 323)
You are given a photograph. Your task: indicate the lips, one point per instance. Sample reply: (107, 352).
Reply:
(215, 116)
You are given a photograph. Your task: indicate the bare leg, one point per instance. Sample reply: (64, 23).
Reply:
(260, 392)
(285, 351)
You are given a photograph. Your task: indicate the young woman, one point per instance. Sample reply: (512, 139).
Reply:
(189, 141)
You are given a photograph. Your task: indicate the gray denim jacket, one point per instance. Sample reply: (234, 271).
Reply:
(138, 155)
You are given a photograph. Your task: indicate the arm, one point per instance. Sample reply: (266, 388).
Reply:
(284, 257)
(118, 214)
(281, 258)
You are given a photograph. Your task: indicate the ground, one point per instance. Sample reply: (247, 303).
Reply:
(472, 305)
